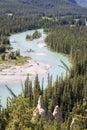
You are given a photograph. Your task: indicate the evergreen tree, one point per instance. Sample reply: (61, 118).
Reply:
(36, 91)
(26, 89)
(49, 86)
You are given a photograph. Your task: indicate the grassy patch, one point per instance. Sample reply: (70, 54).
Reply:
(18, 61)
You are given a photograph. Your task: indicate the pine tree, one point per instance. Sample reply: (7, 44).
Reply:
(30, 94)
(42, 87)
(36, 91)
(45, 98)
(49, 86)
(26, 90)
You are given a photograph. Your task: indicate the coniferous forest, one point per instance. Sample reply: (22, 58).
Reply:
(67, 35)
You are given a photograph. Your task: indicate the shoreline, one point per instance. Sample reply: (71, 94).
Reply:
(16, 73)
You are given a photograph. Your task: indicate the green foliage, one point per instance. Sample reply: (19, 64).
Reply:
(28, 37)
(79, 125)
(35, 35)
(52, 126)
(20, 114)
(28, 7)
(12, 55)
(18, 53)
(70, 92)
(73, 41)
(3, 56)
(28, 91)
(36, 91)
(2, 48)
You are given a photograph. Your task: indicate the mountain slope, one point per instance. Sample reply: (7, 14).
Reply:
(48, 7)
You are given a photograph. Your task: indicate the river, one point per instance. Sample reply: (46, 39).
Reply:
(39, 52)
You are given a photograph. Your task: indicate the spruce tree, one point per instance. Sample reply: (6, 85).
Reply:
(36, 91)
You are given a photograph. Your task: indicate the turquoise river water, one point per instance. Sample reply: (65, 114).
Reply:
(40, 53)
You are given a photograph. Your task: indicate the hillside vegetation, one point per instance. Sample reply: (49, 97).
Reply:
(56, 7)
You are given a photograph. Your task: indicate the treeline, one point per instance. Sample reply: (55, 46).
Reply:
(70, 94)
(4, 44)
(13, 24)
(53, 8)
(72, 41)
(10, 23)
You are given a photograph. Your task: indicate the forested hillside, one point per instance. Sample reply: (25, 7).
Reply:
(56, 7)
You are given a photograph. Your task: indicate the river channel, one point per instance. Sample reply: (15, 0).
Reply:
(38, 51)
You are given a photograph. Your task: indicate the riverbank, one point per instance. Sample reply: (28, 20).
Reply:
(13, 73)
(42, 62)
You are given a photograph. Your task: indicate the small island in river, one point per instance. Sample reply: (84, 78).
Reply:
(35, 35)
